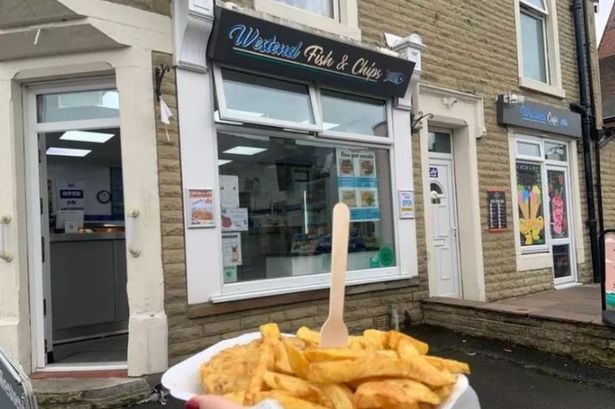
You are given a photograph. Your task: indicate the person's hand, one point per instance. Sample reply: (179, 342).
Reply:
(211, 402)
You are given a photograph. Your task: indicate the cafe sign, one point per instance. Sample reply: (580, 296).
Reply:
(15, 388)
(251, 43)
(539, 116)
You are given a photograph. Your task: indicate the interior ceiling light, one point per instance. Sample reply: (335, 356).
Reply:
(86, 136)
(244, 150)
(223, 161)
(76, 153)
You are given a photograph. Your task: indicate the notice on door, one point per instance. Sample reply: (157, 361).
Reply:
(71, 195)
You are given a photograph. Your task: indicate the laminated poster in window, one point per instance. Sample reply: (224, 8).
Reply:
(231, 249)
(200, 208)
(357, 183)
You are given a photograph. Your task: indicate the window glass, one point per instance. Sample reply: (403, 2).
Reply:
(254, 96)
(277, 196)
(530, 199)
(533, 46)
(561, 261)
(439, 142)
(556, 151)
(76, 106)
(539, 4)
(556, 182)
(528, 149)
(353, 114)
(323, 7)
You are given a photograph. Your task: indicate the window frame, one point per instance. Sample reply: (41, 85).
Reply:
(351, 136)
(335, 9)
(543, 16)
(283, 285)
(345, 20)
(225, 115)
(545, 165)
(553, 86)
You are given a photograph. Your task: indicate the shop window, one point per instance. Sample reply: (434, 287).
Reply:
(78, 106)
(322, 7)
(255, 99)
(530, 203)
(277, 196)
(556, 151)
(538, 46)
(352, 114)
(439, 142)
(541, 174)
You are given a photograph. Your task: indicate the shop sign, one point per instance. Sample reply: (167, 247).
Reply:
(263, 46)
(71, 195)
(406, 204)
(539, 116)
(496, 203)
(15, 388)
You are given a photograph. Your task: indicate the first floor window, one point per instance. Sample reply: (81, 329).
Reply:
(277, 194)
(322, 7)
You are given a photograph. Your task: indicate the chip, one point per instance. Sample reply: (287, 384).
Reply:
(376, 370)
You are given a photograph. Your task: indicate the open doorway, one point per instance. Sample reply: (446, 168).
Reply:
(78, 261)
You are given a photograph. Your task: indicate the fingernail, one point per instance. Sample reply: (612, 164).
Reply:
(192, 404)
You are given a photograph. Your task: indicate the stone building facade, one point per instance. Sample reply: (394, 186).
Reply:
(468, 56)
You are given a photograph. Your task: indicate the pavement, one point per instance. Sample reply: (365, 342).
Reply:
(511, 377)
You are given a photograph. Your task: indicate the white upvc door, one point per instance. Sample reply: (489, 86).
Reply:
(560, 224)
(445, 248)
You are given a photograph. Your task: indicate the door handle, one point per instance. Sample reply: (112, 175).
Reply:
(131, 215)
(454, 230)
(5, 219)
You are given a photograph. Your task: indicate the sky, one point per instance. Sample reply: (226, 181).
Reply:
(603, 15)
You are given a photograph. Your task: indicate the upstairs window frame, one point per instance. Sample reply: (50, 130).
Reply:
(548, 14)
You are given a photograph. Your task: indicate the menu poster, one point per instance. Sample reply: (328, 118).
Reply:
(234, 219)
(609, 270)
(357, 183)
(406, 204)
(229, 191)
(231, 249)
(496, 204)
(201, 208)
(71, 195)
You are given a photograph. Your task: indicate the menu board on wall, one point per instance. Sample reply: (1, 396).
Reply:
(496, 203)
(71, 195)
(357, 184)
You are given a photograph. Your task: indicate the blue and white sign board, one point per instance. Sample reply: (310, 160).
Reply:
(539, 116)
(357, 184)
(15, 387)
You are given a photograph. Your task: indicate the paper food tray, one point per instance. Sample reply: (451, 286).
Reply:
(182, 380)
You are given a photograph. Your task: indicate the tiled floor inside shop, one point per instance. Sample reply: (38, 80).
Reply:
(107, 349)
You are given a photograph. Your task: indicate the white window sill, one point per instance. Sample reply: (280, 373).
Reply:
(536, 261)
(307, 18)
(247, 290)
(541, 87)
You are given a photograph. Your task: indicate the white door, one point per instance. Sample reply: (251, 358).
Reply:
(562, 248)
(445, 250)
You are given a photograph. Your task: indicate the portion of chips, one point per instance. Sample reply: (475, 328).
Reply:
(378, 370)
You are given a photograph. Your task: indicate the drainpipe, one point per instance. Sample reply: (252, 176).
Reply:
(585, 110)
(595, 134)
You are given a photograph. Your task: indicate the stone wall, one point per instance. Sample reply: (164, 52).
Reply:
(587, 342)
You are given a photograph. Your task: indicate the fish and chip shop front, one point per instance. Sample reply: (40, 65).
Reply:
(282, 126)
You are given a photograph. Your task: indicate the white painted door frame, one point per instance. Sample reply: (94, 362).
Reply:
(32, 129)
